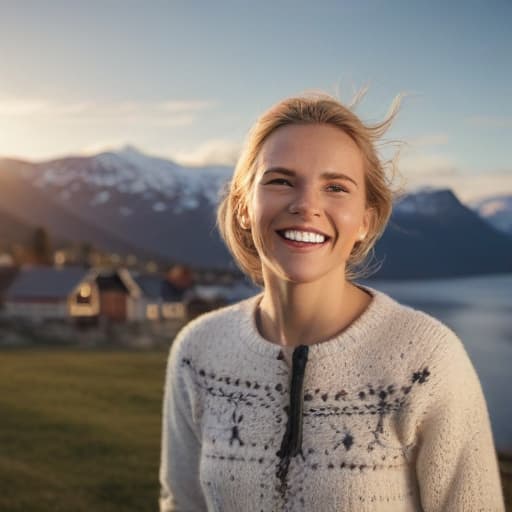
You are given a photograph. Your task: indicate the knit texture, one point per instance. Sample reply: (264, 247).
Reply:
(394, 419)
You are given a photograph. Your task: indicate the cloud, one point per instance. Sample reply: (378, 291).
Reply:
(419, 169)
(489, 122)
(493, 207)
(100, 147)
(433, 139)
(22, 107)
(415, 164)
(467, 187)
(211, 152)
(187, 106)
(162, 113)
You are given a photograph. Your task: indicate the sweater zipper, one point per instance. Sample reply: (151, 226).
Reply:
(291, 444)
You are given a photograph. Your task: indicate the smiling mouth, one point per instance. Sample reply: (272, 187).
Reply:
(303, 237)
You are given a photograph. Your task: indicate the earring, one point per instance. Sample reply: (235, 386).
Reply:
(244, 223)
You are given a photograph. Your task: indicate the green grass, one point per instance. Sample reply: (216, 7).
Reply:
(80, 430)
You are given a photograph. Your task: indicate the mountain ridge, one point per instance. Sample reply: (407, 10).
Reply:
(126, 198)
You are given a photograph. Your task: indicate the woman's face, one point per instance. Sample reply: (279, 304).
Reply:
(307, 207)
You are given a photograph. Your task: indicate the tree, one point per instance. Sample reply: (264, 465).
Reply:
(41, 246)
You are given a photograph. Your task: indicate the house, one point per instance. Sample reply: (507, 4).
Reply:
(131, 296)
(120, 295)
(206, 297)
(40, 292)
(160, 300)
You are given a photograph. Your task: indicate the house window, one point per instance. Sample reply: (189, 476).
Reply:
(152, 311)
(85, 294)
(173, 310)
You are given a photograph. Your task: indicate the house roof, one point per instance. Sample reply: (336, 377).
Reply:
(156, 287)
(46, 282)
(118, 279)
(111, 282)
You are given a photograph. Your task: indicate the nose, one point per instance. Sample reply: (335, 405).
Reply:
(306, 203)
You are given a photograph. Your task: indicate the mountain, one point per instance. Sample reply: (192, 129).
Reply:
(13, 230)
(432, 234)
(27, 204)
(124, 201)
(497, 210)
(129, 202)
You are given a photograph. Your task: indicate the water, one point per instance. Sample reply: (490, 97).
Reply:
(479, 310)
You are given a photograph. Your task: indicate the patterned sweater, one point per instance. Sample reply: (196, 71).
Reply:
(387, 416)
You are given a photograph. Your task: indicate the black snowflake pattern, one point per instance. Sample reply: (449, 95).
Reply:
(234, 397)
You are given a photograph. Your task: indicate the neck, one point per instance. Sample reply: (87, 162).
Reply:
(292, 314)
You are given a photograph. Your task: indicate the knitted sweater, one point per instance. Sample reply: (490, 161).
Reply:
(387, 416)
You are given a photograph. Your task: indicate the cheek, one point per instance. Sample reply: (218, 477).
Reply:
(349, 221)
(260, 210)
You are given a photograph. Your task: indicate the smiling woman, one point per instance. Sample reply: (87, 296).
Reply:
(309, 182)
(319, 393)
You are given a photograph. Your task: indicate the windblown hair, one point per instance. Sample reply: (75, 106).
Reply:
(312, 109)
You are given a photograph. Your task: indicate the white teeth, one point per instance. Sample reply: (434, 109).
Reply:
(304, 236)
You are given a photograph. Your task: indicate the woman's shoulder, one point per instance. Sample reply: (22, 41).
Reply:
(418, 328)
(213, 328)
(411, 342)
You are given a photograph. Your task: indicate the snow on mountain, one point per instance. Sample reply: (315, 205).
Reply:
(432, 234)
(127, 201)
(129, 172)
(427, 201)
(497, 210)
(149, 202)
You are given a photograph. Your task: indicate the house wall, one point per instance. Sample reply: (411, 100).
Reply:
(148, 309)
(80, 308)
(173, 310)
(132, 308)
(113, 305)
(145, 309)
(37, 311)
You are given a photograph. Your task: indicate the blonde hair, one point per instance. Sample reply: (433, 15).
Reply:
(311, 109)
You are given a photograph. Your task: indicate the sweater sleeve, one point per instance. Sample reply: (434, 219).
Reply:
(180, 490)
(457, 466)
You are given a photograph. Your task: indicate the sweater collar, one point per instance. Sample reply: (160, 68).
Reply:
(364, 327)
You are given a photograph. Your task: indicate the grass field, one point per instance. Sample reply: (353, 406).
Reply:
(80, 430)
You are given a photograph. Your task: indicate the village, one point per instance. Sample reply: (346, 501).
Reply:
(108, 303)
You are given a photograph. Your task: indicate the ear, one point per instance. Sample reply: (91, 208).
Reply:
(366, 224)
(243, 220)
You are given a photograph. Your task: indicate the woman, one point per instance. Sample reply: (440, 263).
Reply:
(319, 394)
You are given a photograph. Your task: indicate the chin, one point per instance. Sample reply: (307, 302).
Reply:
(304, 275)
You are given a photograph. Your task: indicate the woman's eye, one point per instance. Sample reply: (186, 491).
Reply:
(279, 181)
(336, 188)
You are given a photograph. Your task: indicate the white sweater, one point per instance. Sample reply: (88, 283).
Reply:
(389, 416)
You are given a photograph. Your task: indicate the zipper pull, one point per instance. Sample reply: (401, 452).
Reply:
(291, 444)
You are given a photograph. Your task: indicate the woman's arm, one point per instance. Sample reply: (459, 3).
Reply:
(179, 468)
(457, 467)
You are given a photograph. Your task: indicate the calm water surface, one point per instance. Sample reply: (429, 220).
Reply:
(479, 310)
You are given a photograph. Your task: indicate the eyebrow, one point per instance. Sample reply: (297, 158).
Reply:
(327, 175)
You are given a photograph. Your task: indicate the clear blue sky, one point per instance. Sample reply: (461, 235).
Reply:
(185, 79)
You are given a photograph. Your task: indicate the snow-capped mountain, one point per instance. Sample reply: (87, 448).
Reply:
(119, 176)
(127, 201)
(432, 234)
(147, 202)
(497, 210)
(426, 201)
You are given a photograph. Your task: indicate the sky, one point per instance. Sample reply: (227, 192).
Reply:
(185, 80)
